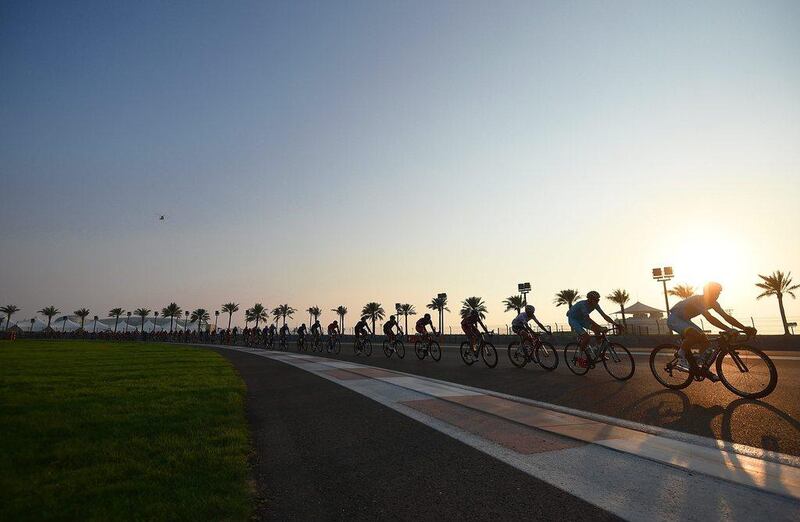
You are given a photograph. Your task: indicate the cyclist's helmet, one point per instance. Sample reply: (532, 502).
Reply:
(335, 322)
(593, 295)
(712, 288)
(427, 316)
(391, 318)
(529, 309)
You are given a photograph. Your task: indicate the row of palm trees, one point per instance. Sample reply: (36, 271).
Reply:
(777, 284)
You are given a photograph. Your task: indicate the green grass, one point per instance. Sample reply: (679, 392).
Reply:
(107, 431)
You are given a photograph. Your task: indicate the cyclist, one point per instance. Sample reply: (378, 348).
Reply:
(333, 331)
(680, 321)
(422, 327)
(301, 334)
(265, 335)
(521, 327)
(470, 326)
(283, 333)
(361, 329)
(316, 330)
(388, 329)
(581, 323)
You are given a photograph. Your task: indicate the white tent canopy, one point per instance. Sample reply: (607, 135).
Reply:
(95, 326)
(64, 324)
(25, 325)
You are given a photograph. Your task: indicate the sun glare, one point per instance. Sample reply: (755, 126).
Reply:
(697, 262)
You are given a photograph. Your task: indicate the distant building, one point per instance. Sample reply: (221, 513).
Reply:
(644, 320)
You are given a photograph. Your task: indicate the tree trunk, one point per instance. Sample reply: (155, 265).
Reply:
(116, 320)
(622, 310)
(230, 316)
(783, 314)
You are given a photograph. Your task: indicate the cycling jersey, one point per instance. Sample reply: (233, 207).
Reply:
(580, 311)
(301, 330)
(332, 328)
(361, 326)
(692, 307)
(316, 327)
(272, 329)
(422, 323)
(387, 327)
(521, 321)
(470, 321)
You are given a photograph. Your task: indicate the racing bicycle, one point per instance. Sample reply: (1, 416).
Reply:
(486, 350)
(746, 371)
(616, 359)
(427, 345)
(533, 350)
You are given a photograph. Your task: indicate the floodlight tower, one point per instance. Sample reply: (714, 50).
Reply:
(524, 288)
(664, 275)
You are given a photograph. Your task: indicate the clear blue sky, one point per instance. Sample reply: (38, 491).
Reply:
(338, 152)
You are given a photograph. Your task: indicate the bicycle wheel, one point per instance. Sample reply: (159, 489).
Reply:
(748, 372)
(618, 361)
(577, 359)
(516, 354)
(337, 346)
(489, 355)
(435, 350)
(386, 350)
(547, 356)
(466, 353)
(355, 347)
(400, 349)
(419, 349)
(366, 345)
(663, 363)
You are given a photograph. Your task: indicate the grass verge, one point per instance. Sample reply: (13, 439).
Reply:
(107, 431)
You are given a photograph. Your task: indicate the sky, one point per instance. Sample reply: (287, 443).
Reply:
(335, 153)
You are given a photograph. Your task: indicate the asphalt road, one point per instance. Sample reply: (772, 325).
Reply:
(705, 408)
(323, 452)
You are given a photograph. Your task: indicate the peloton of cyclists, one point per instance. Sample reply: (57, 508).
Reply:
(581, 323)
(422, 327)
(521, 327)
(470, 326)
(680, 321)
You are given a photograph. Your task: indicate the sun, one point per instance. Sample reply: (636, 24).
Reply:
(697, 261)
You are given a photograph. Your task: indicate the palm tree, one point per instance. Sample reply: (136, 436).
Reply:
(406, 310)
(313, 313)
(514, 302)
(373, 311)
(230, 308)
(142, 312)
(683, 291)
(341, 311)
(115, 313)
(200, 315)
(49, 312)
(82, 313)
(471, 304)
(283, 311)
(258, 313)
(9, 310)
(248, 317)
(172, 311)
(567, 297)
(620, 297)
(440, 305)
(778, 284)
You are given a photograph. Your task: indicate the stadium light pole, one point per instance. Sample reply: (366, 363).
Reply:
(442, 296)
(664, 274)
(524, 288)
